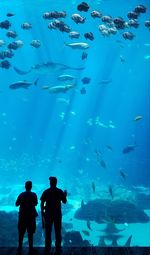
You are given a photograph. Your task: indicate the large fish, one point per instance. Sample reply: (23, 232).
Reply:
(46, 68)
(22, 84)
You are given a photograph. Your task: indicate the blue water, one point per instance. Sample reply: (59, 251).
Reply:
(43, 134)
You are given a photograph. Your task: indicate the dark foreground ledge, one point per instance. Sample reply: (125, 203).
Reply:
(82, 251)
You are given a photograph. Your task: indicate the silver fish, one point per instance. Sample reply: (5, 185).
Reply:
(79, 46)
(61, 89)
(22, 84)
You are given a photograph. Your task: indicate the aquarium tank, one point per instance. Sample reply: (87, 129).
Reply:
(74, 103)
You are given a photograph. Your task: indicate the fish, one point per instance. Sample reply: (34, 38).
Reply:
(86, 80)
(83, 91)
(109, 147)
(86, 233)
(105, 81)
(129, 148)
(46, 68)
(22, 84)
(96, 14)
(84, 55)
(45, 87)
(63, 100)
(102, 163)
(139, 117)
(78, 46)
(2, 42)
(78, 18)
(122, 59)
(128, 35)
(35, 43)
(83, 7)
(74, 34)
(65, 77)
(54, 15)
(93, 187)
(61, 89)
(10, 14)
(82, 203)
(98, 152)
(147, 57)
(123, 175)
(88, 223)
(110, 191)
(89, 36)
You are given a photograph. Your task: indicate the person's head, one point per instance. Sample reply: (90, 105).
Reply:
(28, 185)
(53, 181)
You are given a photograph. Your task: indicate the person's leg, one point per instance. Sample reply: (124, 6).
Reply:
(21, 232)
(57, 226)
(48, 232)
(30, 239)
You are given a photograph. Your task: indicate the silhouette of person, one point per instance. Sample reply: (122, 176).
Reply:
(51, 213)
(27, 215)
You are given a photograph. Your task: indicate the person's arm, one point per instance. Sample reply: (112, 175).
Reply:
(36, 200)
(18, 200)
(64, 196)
(42, 211)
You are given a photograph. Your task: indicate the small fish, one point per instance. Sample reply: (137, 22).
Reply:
(103, 164)
(123, 175)
(35, 43)
(128, 35)
(83, 91)
(26, 26)
(93, 187)
(89, 36)
(74, 34)
(147, 57)
(128, 148)
(10, 14)
(86, 233)
(86, 80)
(109, 147)
(88, 223)
(2, 43)
(65, 77)
(79, 46)
(63, 100)
(83, 7)
(84, 55)
(82, 203)
(147, 44)
(110, 191)
(139, 117)
(61, 89)
(78, 18)
(11, 34)
(105, 82)
(96, 14)
(45, 87)
(98, 152)
(122, 59)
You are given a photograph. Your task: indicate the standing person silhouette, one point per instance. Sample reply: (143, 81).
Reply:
(51, 213)
(27, 215)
